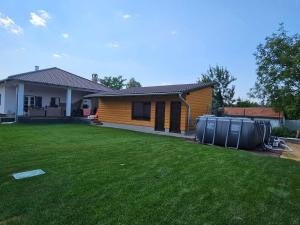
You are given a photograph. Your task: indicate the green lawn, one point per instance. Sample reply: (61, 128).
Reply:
(107, 176)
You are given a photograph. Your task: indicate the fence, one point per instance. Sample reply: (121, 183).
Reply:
(292, 124)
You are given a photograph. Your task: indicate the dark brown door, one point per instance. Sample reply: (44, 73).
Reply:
(160, 116)
(175, 117)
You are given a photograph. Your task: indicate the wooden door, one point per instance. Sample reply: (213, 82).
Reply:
(160, 116)
(175, 117)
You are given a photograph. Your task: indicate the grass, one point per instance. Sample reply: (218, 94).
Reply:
(107, 176)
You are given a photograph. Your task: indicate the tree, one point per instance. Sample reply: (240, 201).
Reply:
(133, 83)
(278, 72)
(223, 92)
(116, 83)
(259, 92)
(245, 103)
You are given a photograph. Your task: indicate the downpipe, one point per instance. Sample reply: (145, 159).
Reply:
(187, 109)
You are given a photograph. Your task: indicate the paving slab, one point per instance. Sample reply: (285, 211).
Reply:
(28, 174)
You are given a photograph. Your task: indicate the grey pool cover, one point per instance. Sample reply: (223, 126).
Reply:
(27, 174)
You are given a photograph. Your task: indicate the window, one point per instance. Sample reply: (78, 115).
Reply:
(54, 102)
(38, 102)
(31, 102)
(28, 102)
(141, 110)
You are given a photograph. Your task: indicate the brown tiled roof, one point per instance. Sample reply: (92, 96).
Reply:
(154, 90)
(264, 112)
(59, 77)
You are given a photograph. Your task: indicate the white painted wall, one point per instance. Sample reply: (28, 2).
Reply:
(48, 92)
(20, 99)
(2, 93)
(10, 100)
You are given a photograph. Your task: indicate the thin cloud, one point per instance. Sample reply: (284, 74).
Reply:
(173, 32)
(39, 18)
(113, 44)
(56, 55)
(8, 24)
(126, 16)
(65, 35)
(59, 55)
(22, 49)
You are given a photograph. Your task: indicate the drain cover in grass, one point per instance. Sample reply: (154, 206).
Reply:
(27, 174)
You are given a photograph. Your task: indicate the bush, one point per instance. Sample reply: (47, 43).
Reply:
(283, 132)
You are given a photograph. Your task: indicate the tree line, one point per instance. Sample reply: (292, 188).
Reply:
(277, 84)
(116, 82)
(278, 77)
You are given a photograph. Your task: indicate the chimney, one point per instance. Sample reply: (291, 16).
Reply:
(95, 77)
(36, 68)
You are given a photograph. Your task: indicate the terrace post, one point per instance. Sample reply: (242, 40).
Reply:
(68, 102)
(20, 99)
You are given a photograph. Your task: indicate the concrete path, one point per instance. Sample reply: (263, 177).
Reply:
(295, 154)
(189, 136)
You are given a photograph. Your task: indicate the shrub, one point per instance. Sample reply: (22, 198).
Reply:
(283, 132)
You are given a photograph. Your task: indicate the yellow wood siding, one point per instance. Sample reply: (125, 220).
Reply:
(118, 109)
(183, 119)
(200, 102)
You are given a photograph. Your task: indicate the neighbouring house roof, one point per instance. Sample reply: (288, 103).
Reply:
(153, 90)
(264, 112)
(58, 77)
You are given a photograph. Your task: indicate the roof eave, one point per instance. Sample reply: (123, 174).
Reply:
(130, 95)
(101, 86)
(2, 81)
(54, 85)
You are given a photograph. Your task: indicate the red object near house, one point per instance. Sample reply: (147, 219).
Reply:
(263, 112)
(86, 112)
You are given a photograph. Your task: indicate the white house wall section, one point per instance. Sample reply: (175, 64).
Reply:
(2, 100)
(41, 96)
(47, 92)
(10, 100)
(20, 99)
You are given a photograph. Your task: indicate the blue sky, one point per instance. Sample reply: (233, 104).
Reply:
(157, 42)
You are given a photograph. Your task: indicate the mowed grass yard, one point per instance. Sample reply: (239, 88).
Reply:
(99, 175)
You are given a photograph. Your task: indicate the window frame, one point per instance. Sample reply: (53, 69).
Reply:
(146, 116)
(57, 100)
(29, 102)
(36, 101)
